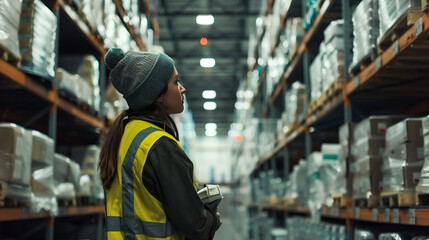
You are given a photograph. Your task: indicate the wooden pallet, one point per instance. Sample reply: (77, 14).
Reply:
(362, 64)
(373, 201)
(67, 202)
(399, 27)
(334, 88)
(342, 200)
(9, 58)
(399, 198)
(290, 202)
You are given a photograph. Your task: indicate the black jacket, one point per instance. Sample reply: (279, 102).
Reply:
(168, 176)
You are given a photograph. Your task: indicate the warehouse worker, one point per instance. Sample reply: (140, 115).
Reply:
(148, 178)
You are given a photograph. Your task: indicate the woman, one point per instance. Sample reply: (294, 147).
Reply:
(148, 179)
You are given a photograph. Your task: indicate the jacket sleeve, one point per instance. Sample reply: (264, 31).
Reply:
(172, 182)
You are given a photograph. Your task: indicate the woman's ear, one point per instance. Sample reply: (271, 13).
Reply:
(160, 98)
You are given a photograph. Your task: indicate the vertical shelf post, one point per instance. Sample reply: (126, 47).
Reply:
(273, 165)
(308, 144)
(102, 83)
(285, 164)
(50, 228)
(348, 38)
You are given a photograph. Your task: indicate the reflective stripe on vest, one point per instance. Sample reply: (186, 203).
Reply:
(128, 224)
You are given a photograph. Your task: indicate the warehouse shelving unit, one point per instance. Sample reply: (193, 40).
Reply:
(394, 83)
(34, 102)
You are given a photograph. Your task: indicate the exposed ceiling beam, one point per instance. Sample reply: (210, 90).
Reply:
(214, 38)
(177, 14)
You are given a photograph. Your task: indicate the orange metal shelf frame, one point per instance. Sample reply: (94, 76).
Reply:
(50, 95)
(83, 27)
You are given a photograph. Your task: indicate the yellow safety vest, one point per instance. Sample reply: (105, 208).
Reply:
(131, 211)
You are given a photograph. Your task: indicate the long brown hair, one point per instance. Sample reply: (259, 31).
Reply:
(110, 148)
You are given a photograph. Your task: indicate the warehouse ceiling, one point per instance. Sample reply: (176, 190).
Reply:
(179, 34)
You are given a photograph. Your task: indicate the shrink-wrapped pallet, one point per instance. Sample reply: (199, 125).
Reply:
(403, 159)
(37, 34)
(42, 153)
(365, 31)
(15, 154)
(66, 176)
(390, 12)
(367, 176)
(295, 102)
(89, 71)
(10, 11)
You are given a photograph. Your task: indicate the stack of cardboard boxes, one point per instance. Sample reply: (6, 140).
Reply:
(403, 159)
(367, 157)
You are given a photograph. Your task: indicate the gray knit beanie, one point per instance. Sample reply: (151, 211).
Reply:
(139, 76)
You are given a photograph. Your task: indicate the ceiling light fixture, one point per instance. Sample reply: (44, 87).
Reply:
(207, 62)
(210, 106)
(211, 133)
(211, 126)
(209, 94)
(205, 19)
(203, 41)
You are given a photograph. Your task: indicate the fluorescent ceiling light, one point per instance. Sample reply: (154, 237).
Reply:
(211, 126)
(207, 62)
(209, 94)
(209, 106)
(211, 133)
(205, 19)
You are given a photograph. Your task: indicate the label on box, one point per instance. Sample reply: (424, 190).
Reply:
(412, 216)
(374, 214)
(416, 177)
(387, 215)
(381, 128)
(395, 215)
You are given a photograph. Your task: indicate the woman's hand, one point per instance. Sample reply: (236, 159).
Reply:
(218, 216)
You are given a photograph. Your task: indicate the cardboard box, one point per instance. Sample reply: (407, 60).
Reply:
(374, 126)
(42, 153)
(373, 146)
(6, 166)
(16, 145)
(408, 130)
(402, 177)
(408, 152)
(367, 177)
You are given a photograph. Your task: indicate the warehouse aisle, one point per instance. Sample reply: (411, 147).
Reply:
(227, 230)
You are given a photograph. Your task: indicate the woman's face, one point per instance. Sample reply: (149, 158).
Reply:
(172, 101)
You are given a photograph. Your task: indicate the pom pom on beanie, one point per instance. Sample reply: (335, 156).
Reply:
(113, 56)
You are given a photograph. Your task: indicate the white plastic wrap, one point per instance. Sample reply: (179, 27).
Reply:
(367, 176)
(10, 11)
(400, 175)
(295, 103)
(364, 235)
(42, 153)
(390, 11)
(315, 77)
(43, 191)
(408, 130)
(374, 126)
(15, 153)
(373, 146)
(37, 34)
(365, 30)
(65, 191)
(90, 72)
(66, 171)
(390, 236)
